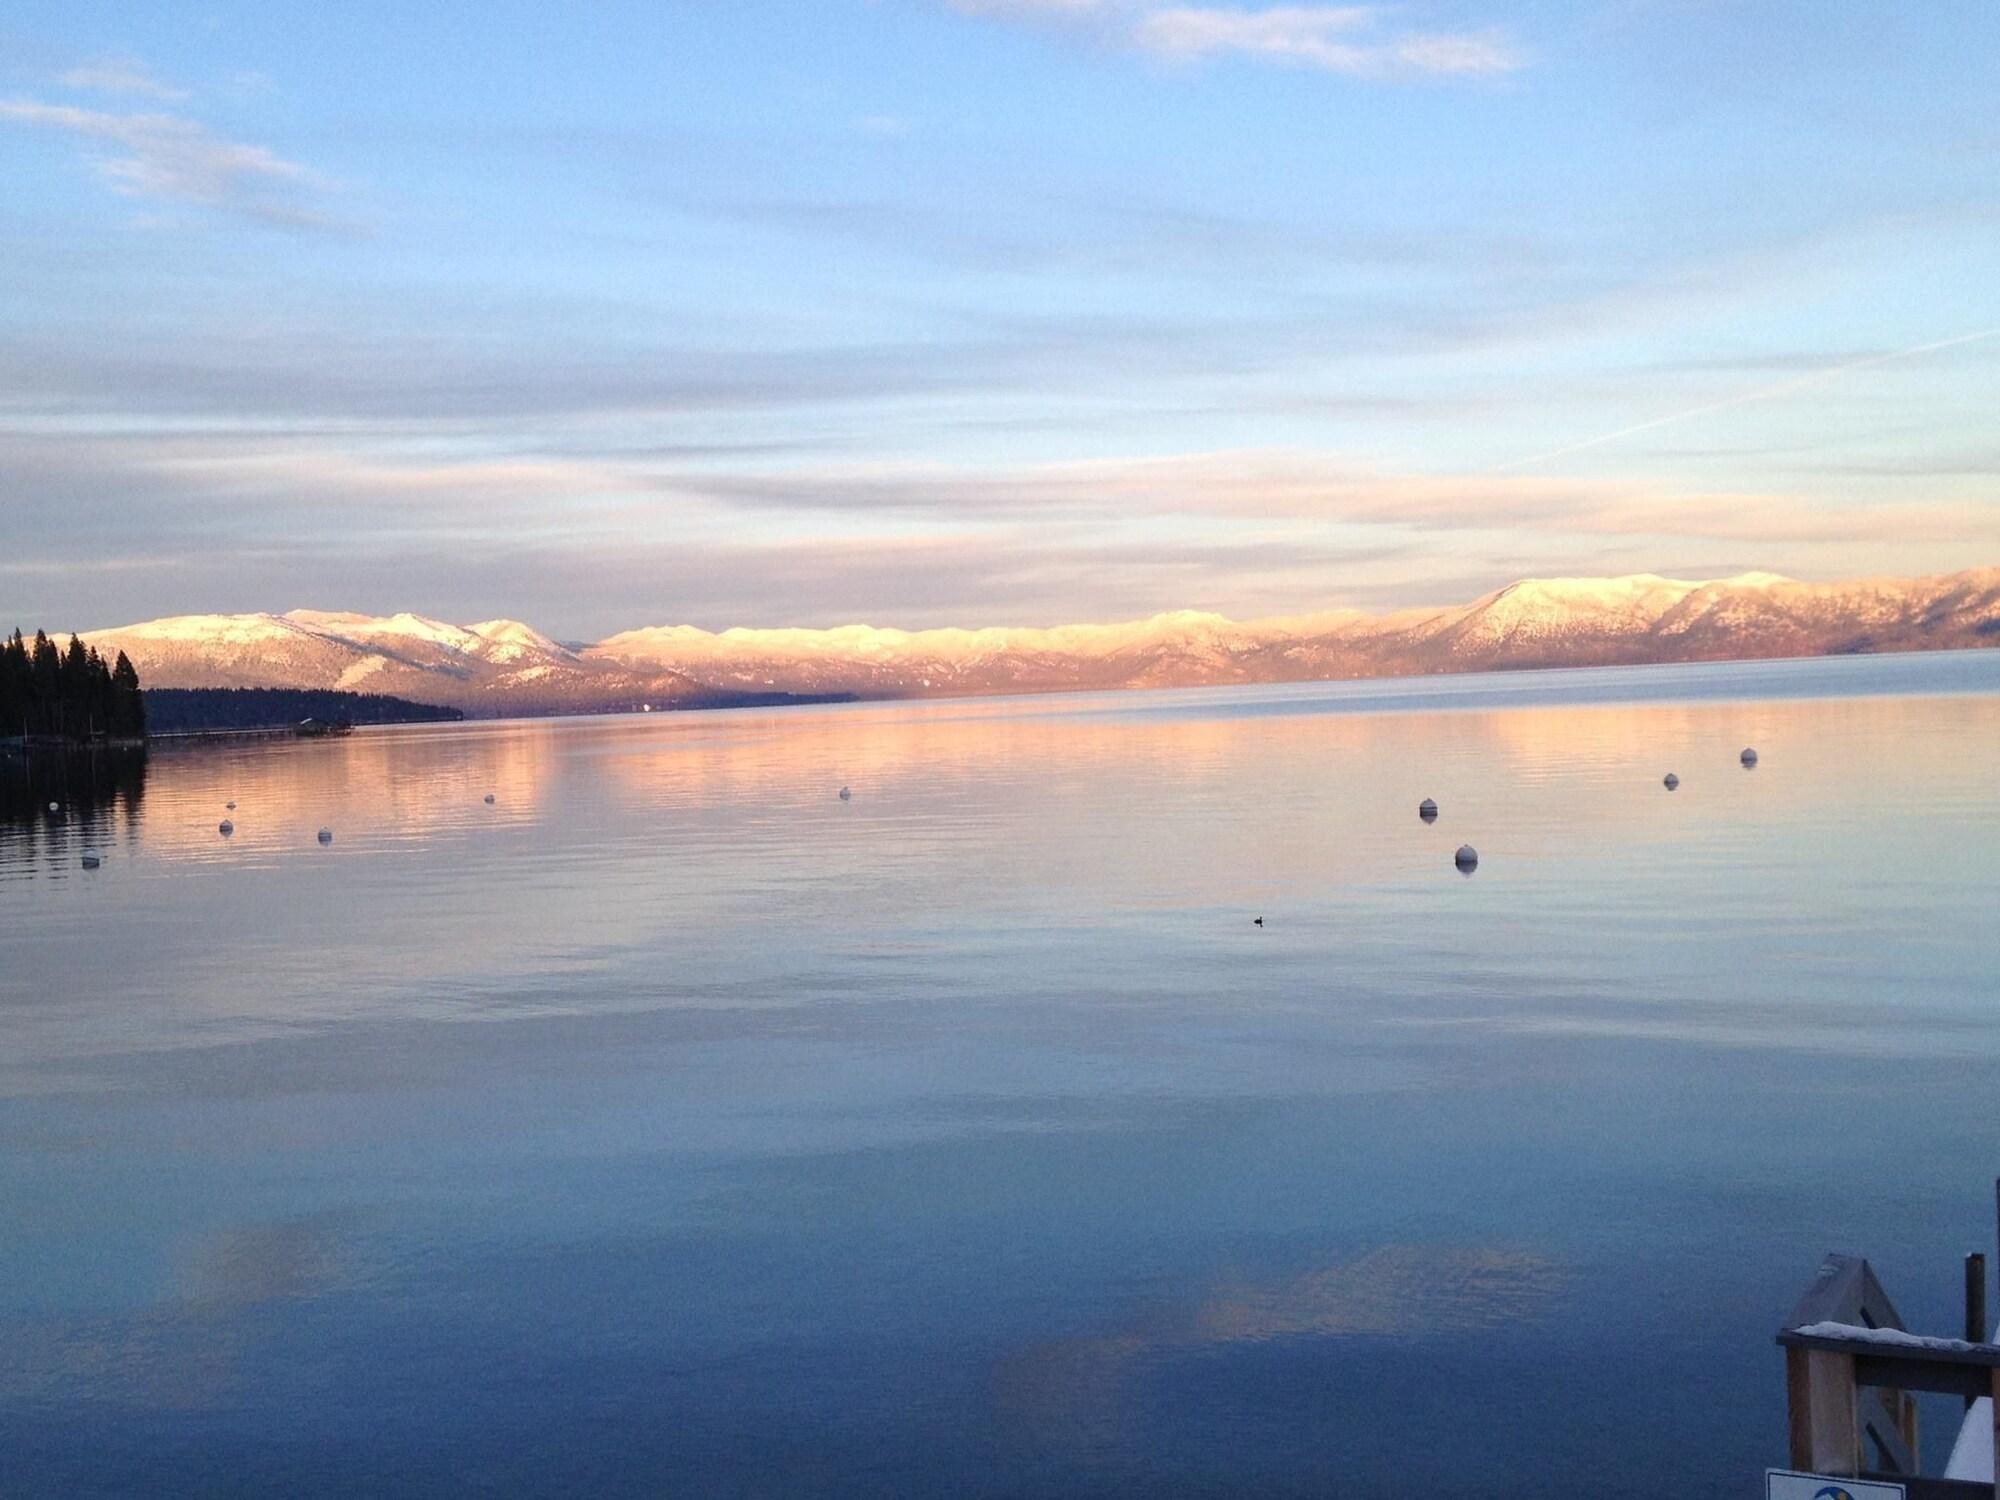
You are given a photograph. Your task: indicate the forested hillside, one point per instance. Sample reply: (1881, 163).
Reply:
(178, 710)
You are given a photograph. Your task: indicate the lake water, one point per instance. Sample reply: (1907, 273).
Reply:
(671, 1126)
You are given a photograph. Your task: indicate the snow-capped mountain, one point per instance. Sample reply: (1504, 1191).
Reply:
(503, 666)
(499, 666)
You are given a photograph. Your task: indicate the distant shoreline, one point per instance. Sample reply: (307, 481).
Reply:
(1493, 687)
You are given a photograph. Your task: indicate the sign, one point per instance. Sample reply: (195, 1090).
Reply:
(1790, 1484)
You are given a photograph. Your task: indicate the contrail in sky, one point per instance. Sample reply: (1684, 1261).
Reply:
(1762, 393)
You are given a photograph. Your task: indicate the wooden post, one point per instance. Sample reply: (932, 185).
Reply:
(1825, 1421)
(1976, 1328)
(1976, 1331)
(1798, 1404)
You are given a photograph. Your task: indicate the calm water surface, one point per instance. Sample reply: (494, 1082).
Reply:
(672, 1126)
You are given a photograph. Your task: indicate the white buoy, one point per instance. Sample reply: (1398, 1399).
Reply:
(846, 794)
(489, 799)
(326, 835)
(55, 807)
(1467, 858)
(225, 828)
(91, 861)
(1671, 782)
(1427, 810)
(1748, 757)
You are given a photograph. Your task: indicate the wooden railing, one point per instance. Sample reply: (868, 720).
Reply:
(1850, 1369)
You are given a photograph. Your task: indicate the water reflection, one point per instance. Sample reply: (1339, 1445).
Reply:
(704, 861)
(1393, 1290)
(185, 1351)
(1075, 1389)
(85, 785)
(669, 1125)
(54, 805)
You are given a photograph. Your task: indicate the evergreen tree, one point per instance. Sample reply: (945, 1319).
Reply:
(97, 698)
(73, 710)
(69, 693)
(44, 685)
(128, 703)
(14, 677)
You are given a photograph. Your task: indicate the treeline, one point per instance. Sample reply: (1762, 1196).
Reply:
(182, 710)
(68, 693)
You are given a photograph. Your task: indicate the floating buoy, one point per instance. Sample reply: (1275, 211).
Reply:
(846, 794)
(1427, 810)
(229, 807)
(225, 828)
(489, 799)
(326, 835)
(1467, 858)
(55, 807)
(91, 861)
(1671, 782)
(1748, 757)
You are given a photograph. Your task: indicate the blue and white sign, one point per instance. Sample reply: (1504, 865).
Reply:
(1790, 1484)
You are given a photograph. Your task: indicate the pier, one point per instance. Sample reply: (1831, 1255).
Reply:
(308, 729)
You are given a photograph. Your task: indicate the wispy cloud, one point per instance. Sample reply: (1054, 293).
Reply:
(1349, 39)
(884, 127)
(1022, 8)
(1357, 41)
(584, 540)
(1328, 489)
(171, 158)
(1762, 393)
(120, 75)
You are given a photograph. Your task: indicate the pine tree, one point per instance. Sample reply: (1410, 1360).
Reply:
(97, 693)
(128, 703)
(44, 685)
(70, 693)
(73, 704)
(14, 675)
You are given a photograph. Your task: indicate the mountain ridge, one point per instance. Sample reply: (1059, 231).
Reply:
(504, 666)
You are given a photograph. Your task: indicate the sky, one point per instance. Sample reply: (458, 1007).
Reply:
(923, 312)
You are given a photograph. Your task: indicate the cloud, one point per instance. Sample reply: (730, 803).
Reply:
(120, 75)
(1351, 40)
(1763, 393)
(587, 545)
(1020, 8)
(170, 158)
(884, 127)
(1332, 38)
